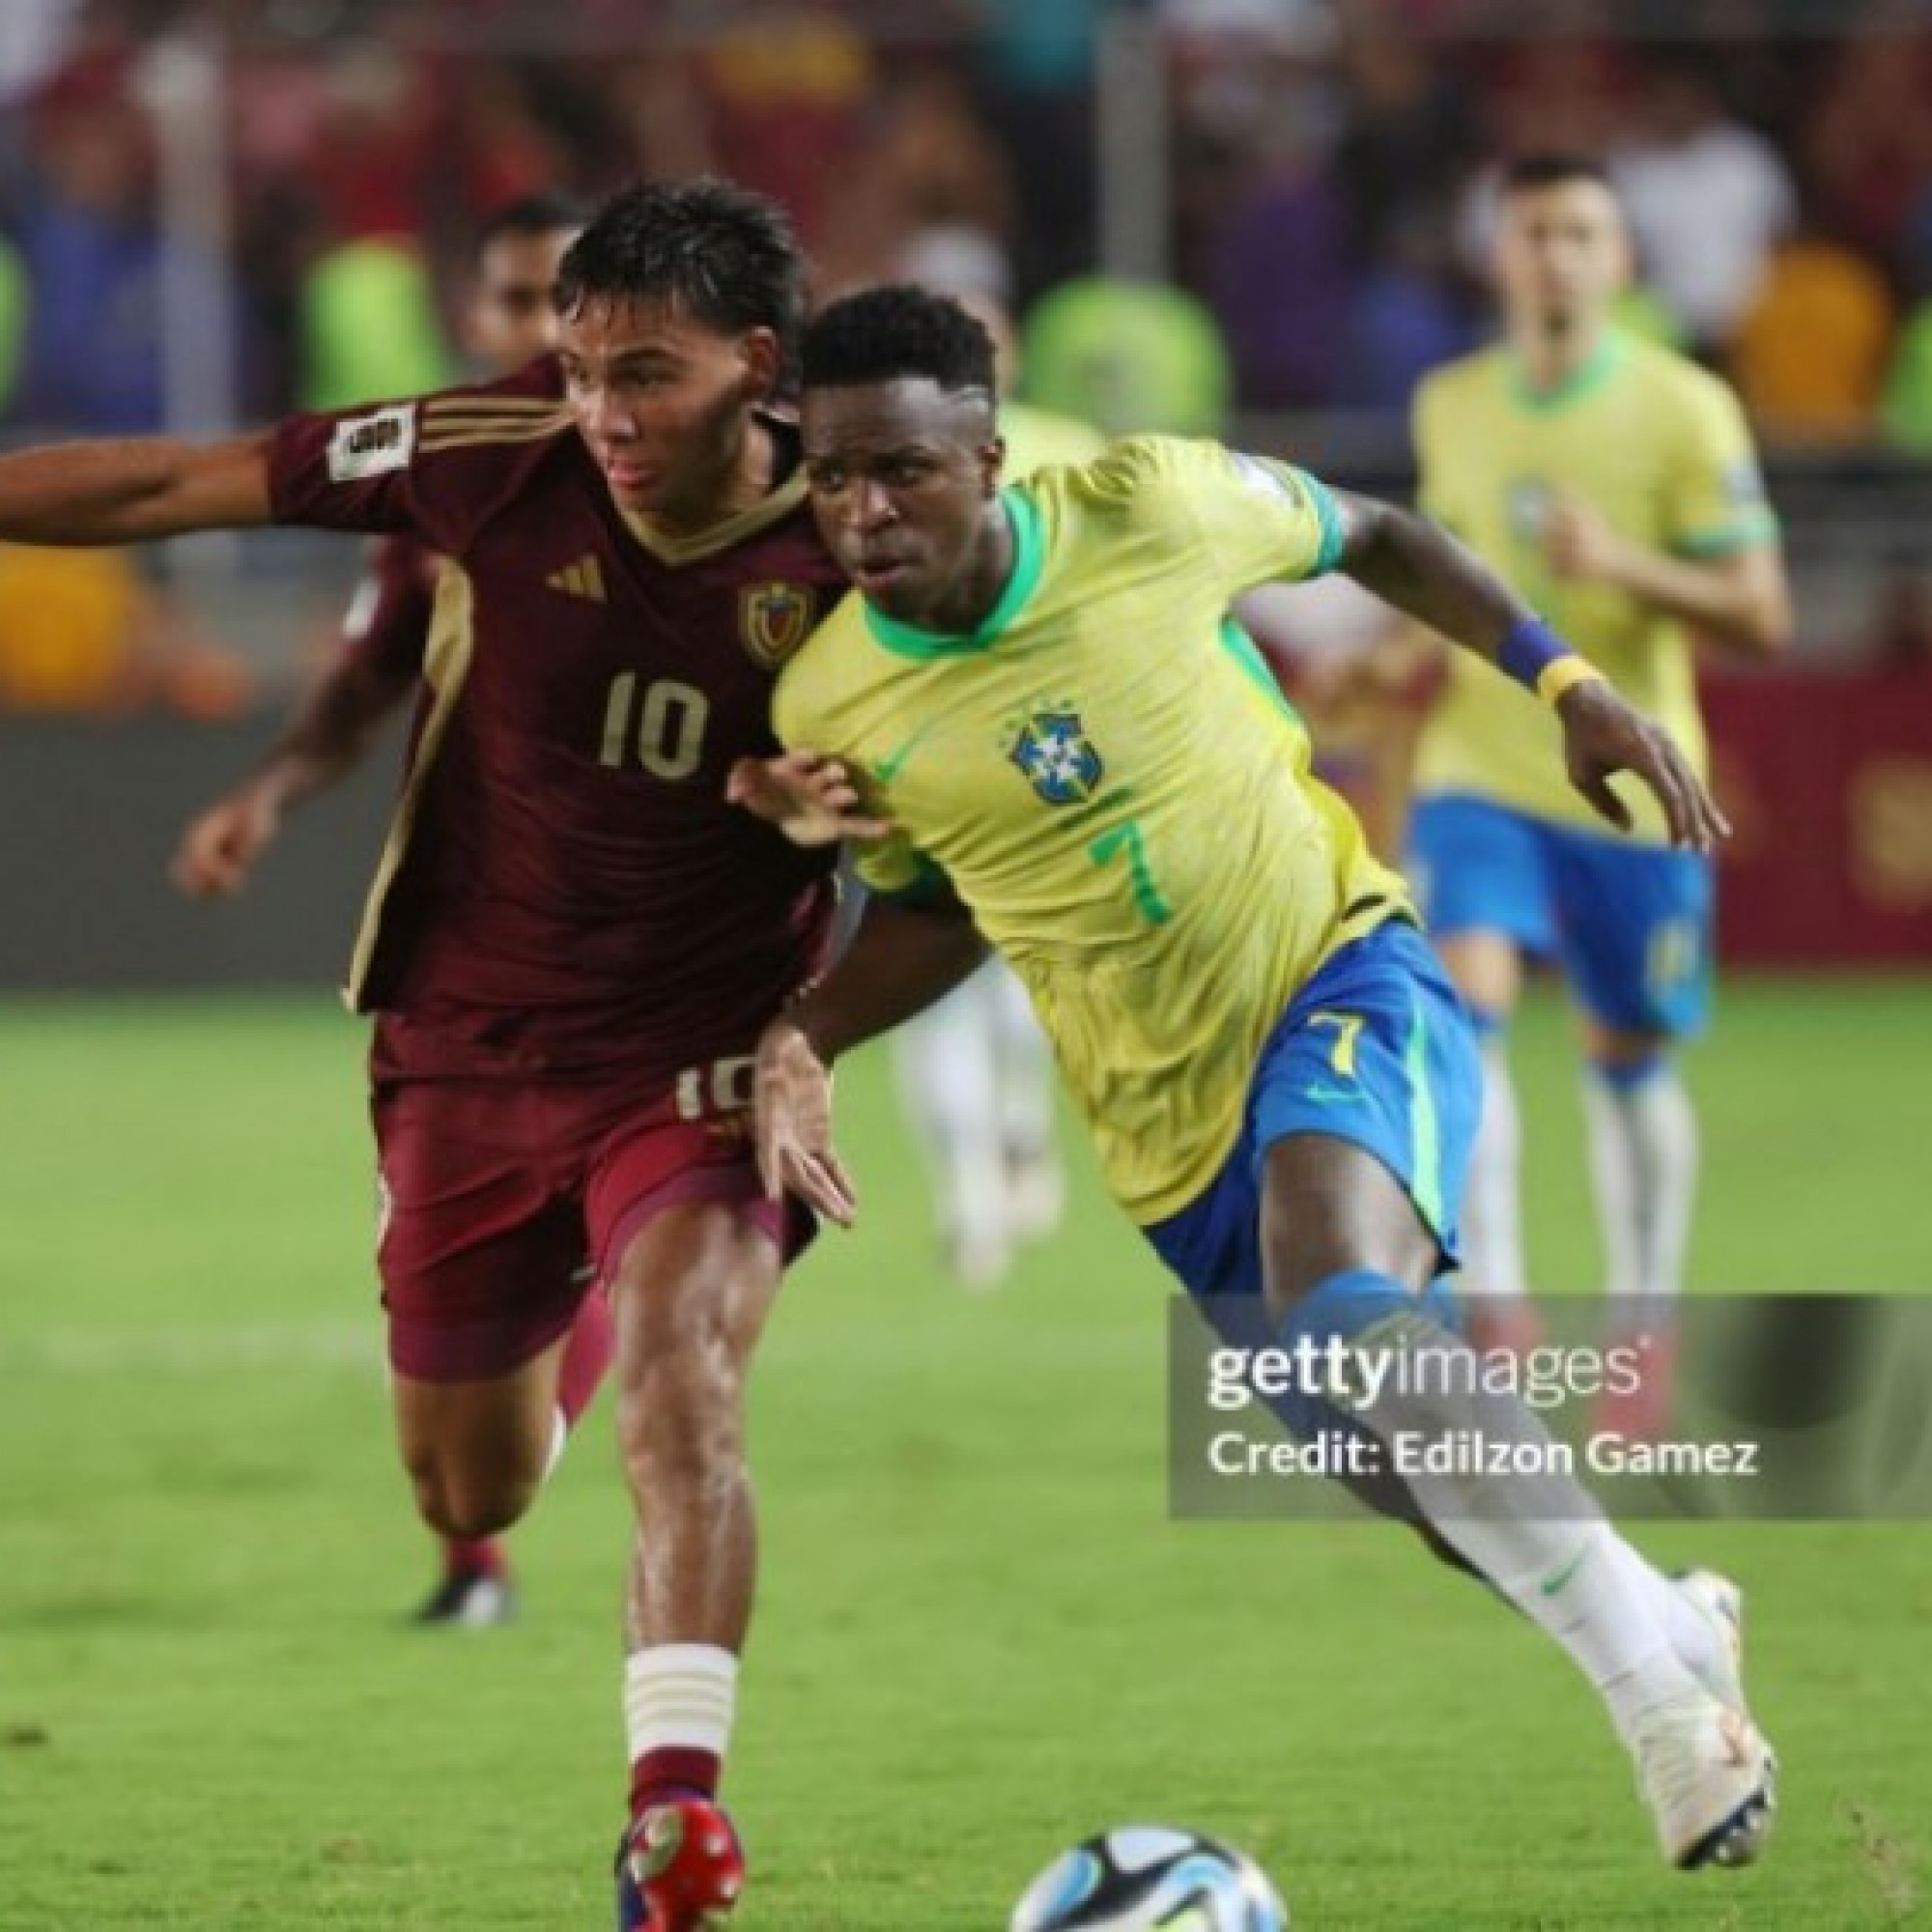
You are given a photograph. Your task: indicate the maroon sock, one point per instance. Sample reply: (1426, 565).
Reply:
(674, 1771)
(473, 1556)
(587, 1354)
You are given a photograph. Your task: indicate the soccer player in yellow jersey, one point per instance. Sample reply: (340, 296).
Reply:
(1081, 764)
(1613, 486)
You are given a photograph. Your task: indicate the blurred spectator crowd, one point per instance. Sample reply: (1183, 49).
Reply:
(1778, 183)
(299, 178)
(1327, 175)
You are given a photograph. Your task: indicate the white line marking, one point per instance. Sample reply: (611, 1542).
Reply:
(194, 1352)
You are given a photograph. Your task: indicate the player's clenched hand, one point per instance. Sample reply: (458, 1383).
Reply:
(1603, 735)
(219, 849)
(812, 800)
(794, 1112)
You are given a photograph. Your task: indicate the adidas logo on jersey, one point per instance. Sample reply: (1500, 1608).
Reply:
(582, 579)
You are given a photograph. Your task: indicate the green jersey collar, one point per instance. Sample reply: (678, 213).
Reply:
(1589, 375)
(1028, 560)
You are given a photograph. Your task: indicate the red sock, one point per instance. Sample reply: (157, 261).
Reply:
(674, 1771)
(587, 1354)
(473, 1556)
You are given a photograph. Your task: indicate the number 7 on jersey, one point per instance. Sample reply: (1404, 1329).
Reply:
(1127, 838)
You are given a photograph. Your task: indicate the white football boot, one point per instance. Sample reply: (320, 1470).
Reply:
(1709, 1779)
(1722, 1604)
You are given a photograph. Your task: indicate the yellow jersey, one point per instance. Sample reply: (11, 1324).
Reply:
(1658, 448)
(1113, 786)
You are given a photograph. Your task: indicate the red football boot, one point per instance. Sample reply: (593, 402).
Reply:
(680, 1868)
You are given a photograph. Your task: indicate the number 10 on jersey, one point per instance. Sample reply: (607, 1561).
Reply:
(664, 733)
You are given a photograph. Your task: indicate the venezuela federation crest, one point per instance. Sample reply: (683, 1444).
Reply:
(774, 619)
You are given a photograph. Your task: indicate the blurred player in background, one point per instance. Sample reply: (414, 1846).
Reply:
(1613, 485)
(1089, 767)
(575, 940)
(973, 1070)
(509, 321)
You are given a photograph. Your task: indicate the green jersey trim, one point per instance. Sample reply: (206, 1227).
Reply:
(908, 640)
(1749, 532)
(1329, 513)
(1424, 1128)
(1585, 380)
(1246, 653)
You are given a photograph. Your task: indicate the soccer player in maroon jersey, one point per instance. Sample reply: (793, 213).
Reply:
(574, 940)
(510, 320)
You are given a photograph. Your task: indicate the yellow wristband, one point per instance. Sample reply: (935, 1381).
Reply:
(1566, 673)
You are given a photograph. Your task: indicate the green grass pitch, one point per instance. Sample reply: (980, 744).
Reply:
(979, 1637)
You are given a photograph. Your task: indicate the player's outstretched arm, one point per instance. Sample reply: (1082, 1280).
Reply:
(326, 738)
(903, 959)
(1742, 601)
(1424, 573)
(131, 491)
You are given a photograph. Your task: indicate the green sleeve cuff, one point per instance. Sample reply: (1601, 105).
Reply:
(1727, 539)
(1328, 514)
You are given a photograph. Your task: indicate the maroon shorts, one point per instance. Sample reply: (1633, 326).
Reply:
(503, 1204)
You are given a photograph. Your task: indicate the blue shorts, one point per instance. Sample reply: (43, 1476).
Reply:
(1375, 1049)
(1630, 924)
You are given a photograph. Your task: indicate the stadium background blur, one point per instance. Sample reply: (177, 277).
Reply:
(1262, 217)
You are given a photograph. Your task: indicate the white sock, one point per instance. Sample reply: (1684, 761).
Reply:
(1699, 1648)
(1598, 1603)
(560, 1441)
(1492, 1205)
(1539, 1538)
(1643, 1165)
(679, 1694)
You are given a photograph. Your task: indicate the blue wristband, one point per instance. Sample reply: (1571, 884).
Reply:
(1529, 649)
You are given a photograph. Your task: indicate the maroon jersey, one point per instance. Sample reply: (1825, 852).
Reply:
(386, 624)
(564, 887)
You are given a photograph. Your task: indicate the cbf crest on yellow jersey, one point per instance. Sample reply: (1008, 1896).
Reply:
(1658, 449)
(1108, 777)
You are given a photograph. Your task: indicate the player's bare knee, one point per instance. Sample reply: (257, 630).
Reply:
(469, 1514)
(467, 1503)
(1621, 1049)
(1486, 969)
(476, 1453)
(1328, 1208)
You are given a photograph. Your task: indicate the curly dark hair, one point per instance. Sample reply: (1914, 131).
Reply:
(724, 256)
(898, 331)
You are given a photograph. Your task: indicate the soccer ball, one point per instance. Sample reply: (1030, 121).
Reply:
(1147, 1878)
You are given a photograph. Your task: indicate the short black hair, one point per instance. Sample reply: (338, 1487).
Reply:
(529, 215)
(723, 255)
(880, 335)
(1553, 168)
